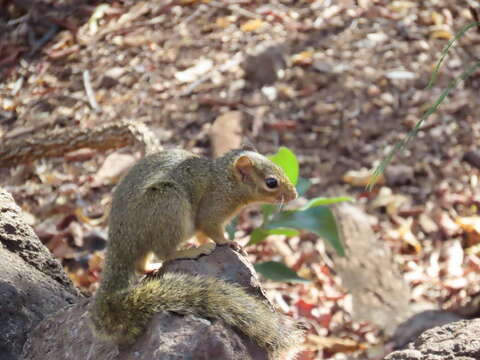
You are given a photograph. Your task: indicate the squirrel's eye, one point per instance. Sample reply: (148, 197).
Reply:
(271, 182)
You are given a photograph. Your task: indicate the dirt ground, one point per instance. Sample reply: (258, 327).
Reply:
(338, 82)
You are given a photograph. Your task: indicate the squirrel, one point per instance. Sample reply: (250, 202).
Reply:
(165, 199)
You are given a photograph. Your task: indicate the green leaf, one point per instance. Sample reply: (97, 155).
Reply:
(260, 234)
(231, 227)
(319, 201)
(287, 160)
(303, 185)
(278, 272)
(319, 220)
(268, 210)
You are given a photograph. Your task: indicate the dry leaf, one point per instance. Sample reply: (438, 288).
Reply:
(193, 2)
(8, 104)
(401, 6)
(454, 259)
(80, 154)
(361, 177)
(455, 283)
(305, 354)
(441, 34)
(471, 226)
(391, 202)
(97, 15)
(82, 278)
(252, 25)
(76, 231)
(140, 8)
(223, 22)
(59, 247)
(113, 168)
(226, 132)
(303, 58)
(323, 108)
(406, 235)
(437, 18)
(96, 261)
(473, 250)
(336, 344)
(400, 75)
(448, 226)
(193, 73)
(86, 220)
(427, 224)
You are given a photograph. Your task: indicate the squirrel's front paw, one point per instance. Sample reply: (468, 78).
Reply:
(206, 249)
(234, 245)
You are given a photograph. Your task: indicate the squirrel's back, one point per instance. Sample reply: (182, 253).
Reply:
(153, 168)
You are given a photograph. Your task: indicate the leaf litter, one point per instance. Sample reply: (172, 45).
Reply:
(337, 81)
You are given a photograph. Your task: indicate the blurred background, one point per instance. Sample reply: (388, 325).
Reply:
(337, 82)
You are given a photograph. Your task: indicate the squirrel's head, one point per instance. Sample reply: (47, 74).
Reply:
(267, 181)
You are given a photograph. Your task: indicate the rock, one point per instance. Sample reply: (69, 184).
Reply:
(454, 341)
(378, 290)
(409, 330)
(398, 175)
(473, 158)
(169, 336)
(264, 64)
(32, 283)
(35, 292)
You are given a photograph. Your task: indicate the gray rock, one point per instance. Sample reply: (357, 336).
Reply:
(399, 174)
(379, 293)
(454, 341)
(473, 158)
(264, 64)
(35, 294)
(32, 283)
(67, 335)
(409, 330)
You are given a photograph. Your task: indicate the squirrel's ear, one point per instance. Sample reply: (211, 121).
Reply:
(244, 167)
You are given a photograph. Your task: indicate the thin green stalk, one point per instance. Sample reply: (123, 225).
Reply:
(446, 49)
(400, 146)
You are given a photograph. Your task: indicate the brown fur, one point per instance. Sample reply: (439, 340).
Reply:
(163, 200)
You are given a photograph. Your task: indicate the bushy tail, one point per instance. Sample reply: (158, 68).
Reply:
(124, 315)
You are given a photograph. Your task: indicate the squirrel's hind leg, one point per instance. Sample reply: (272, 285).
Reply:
(144, 264)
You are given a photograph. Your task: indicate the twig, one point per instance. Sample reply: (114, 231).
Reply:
(198, 11)
(241, 11)
(45, 144)
(237, 58)
(90, 94)
(235, 8)
(18, 20)
(18, 85)
(122, 26)
(37, 44)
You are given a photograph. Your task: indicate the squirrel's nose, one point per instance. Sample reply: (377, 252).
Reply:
(291, 194)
